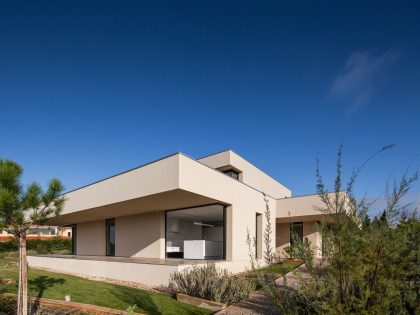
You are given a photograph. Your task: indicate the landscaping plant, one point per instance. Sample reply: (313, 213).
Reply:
(369, 265)
(211, 283)
(20, 209)
(55, 245)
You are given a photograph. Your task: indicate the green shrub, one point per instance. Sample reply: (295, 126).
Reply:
(39, 246)
(211, 283)
(7, 304)
(8, 246)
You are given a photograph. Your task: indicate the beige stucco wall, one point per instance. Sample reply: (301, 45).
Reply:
(91, 238)
(156, 177)
(310, 231)
(282, 238)
(140, 235)
(243, 200)
(303, 206)
(150, 274)
(251, 175)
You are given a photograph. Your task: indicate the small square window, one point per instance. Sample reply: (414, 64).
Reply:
(232, 173)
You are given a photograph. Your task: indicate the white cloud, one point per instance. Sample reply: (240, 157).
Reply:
(355, 82)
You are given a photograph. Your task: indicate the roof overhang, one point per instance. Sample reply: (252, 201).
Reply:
(174, 182)
(169, 200)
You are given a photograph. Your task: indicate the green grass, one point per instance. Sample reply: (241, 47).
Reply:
(55, 285)
(278, 269)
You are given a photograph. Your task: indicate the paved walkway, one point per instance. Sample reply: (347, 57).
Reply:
(259, 303)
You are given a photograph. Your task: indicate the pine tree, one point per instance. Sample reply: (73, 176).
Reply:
(22, 208)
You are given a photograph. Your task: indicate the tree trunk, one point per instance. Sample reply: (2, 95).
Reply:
(22, 303)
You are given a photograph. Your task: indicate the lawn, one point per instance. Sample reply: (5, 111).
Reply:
(279, 269)
(56, 286)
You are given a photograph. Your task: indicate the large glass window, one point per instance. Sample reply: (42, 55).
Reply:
(196, 233)
(296, 232)
(110, 237)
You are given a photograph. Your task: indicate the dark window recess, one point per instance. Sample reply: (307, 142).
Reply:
(110, 237)
(73, 239)
(296, 232)
(232, 173)
(258, 236)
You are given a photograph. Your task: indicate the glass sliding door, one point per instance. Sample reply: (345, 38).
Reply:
(110, 237)
(196, 233)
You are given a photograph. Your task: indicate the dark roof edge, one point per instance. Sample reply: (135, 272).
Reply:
(307, 195)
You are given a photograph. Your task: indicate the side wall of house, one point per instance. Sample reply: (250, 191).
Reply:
(282, 238)
(244, 203)
(91, 238)
(140, 235)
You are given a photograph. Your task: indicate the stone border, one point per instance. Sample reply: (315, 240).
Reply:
(192, 300)
(74, 306)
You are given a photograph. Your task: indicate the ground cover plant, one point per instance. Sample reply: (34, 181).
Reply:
(211, 283)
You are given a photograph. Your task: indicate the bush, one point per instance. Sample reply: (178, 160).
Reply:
(211, 283)
(39, 246)
(9, 246)
(7, 304)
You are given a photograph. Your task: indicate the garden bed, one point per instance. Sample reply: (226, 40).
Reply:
(49, 306)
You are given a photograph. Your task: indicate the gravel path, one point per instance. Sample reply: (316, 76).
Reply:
(258, 303)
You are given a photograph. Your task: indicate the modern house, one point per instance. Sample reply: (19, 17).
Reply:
(164, 216)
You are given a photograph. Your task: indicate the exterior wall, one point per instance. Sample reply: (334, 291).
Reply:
(301, 206)
(150, 274)
(140, 235)
(160, 176)
(91, 238)
(251, 175)
(310, 232)
(282, 238)
(244, 202)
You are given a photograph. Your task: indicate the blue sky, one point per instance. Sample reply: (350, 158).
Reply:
(92, 88)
